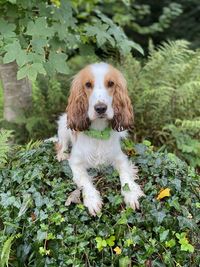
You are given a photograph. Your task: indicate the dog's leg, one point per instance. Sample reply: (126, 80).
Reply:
(91, 197)
(129, 188)
(63, 139)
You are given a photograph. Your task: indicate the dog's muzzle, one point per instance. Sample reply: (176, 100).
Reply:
(100, 108)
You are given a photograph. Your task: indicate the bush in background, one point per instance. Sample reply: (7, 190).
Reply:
(165, 93)
(164, 90)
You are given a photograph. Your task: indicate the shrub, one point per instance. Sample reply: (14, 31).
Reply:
(38, 229)
(165, 94)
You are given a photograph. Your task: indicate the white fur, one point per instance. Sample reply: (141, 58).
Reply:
(100, 93)
(90, 152)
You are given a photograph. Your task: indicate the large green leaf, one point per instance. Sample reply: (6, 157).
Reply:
(15, 52)
(31, 71)
(99, 30)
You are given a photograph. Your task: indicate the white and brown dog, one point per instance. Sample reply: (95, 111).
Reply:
(98, 114)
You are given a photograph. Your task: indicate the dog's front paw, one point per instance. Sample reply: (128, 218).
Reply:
(92, 200)
(131, 196)
(62, 156)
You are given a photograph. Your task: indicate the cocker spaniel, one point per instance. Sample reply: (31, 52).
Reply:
(97, 116)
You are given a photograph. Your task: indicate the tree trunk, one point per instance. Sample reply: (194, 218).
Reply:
(17, 93)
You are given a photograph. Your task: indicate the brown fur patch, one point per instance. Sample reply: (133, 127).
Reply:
(123, 111)
(79, 94)
(78, 100)
(57, 147)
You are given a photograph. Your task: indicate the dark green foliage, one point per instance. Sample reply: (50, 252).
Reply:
(42, 36)
(164, 91)
(157, 20)
(165, 94)
(39, 230)
(49, 101)
(184, 26)
(142, 20)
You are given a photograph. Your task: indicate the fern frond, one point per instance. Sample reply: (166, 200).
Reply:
(4, 145)
(32, 145)
(164, 89)
(6, 249)
(189, 125)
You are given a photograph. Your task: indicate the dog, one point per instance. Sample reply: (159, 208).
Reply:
(98, 115)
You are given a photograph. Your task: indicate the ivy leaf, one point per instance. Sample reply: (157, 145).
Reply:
(57, 218)
(197, 204)
(101, 243)
(185, 245)
(6, 199)
(122, 220)
(164, 235)
(158, 215)
(185, 222)
(177, 184)
(140, 149)
(41, 235)
(126, 187)
(124, 262)
(110, 241)
(128, 242)
(171, 243)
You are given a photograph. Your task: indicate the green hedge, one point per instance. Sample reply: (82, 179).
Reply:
(37, 229)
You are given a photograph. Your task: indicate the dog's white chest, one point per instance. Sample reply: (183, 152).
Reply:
(99, 154)
(95, 152)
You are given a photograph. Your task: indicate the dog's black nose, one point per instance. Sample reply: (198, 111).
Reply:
(100, 108)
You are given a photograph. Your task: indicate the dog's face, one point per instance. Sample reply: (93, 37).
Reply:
(99, 92)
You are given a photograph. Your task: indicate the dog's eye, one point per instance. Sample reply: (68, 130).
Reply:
(110, 83)
(88, 85)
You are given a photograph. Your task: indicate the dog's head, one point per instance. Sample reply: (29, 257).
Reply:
(99, 91)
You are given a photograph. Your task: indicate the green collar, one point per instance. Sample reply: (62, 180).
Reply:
(102, 135)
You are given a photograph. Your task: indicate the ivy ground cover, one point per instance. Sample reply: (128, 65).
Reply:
(38, 229)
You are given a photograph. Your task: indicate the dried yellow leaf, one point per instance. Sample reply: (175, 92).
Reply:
(164, 193)
(118, 250)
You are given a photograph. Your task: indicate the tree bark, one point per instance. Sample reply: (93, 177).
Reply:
(17, 93)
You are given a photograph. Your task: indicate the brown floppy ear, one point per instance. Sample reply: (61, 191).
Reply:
(123, 111)
(77, 118)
